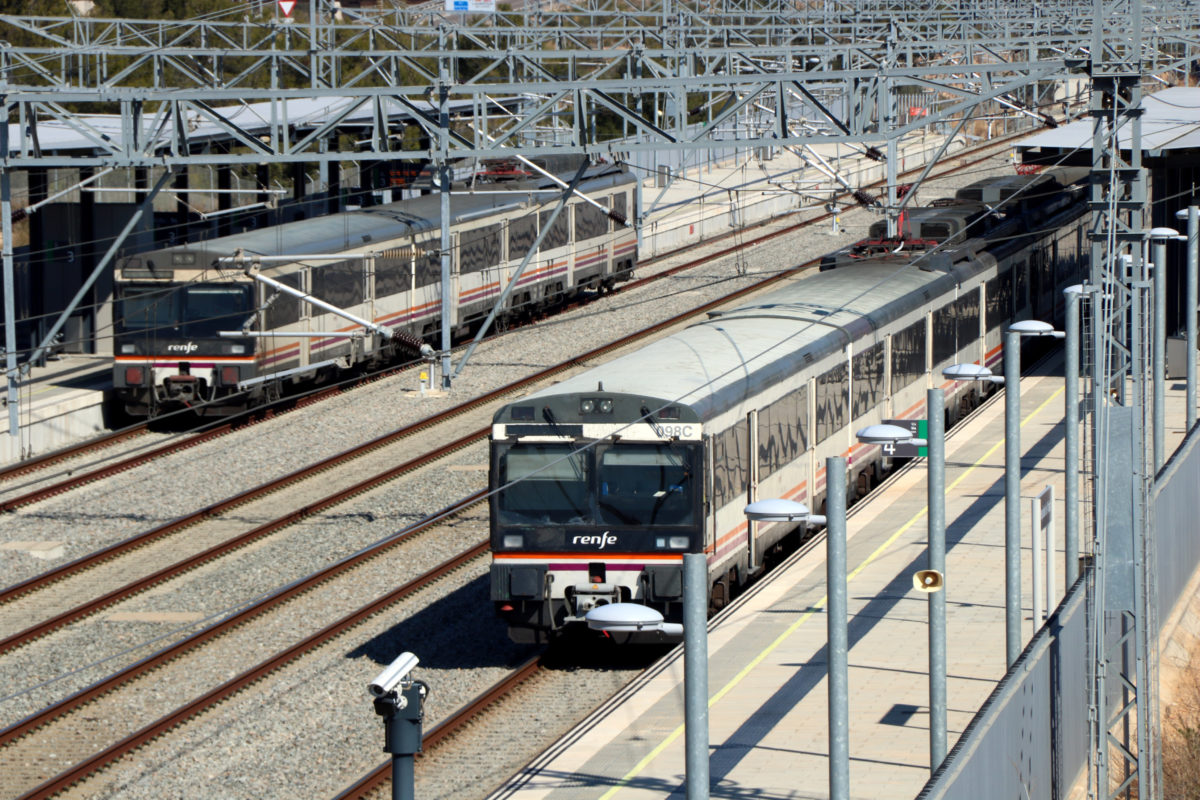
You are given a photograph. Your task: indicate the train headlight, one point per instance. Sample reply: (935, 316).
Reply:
(513, 540)
(606, 406)
(587, 406)
(236, 349)
(127, 349)
(678, 542)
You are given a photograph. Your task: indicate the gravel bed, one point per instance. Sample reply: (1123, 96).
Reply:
(34, 675)
(305, 733)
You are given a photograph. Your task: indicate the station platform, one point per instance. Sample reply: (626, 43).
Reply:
(58, 404)
(767, 656)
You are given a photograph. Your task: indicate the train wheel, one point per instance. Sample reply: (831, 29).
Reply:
(719, 596)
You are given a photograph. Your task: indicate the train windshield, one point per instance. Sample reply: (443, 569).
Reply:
(647, 484)
(551, 485)
(194, 311)
(612, 484)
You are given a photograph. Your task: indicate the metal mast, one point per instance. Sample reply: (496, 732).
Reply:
(1125, 759)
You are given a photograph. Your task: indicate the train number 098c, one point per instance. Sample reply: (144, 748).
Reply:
(675, 431)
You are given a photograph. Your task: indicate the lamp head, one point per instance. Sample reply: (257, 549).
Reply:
(970, 372)
(777, 510)
(1035, 327)
(884, 434)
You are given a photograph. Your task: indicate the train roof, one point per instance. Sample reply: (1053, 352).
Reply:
(356, 230)
(715, 365)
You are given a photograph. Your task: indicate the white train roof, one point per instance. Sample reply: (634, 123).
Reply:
(363, 229)
(717, 364)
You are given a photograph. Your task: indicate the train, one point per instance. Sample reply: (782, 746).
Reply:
(600, 483)
(223, 325)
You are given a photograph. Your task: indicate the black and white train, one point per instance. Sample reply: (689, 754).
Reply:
(195, 327)
(603, 481)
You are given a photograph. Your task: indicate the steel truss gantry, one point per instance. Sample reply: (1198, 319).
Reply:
(533, 79)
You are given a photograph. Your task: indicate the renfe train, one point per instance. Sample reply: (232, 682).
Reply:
(603, 481)
(174, 304)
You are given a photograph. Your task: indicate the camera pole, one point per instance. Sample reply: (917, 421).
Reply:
(402, 712)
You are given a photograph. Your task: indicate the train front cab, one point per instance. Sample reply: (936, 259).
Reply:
(168, 351)
(586, 511)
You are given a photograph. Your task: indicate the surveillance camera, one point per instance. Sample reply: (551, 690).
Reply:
(388, 680)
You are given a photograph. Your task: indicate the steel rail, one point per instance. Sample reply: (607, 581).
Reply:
(179, 567)
(447, 727)
(85, 562)
(279, 598)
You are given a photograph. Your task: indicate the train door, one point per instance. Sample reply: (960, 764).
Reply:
(455, 282)
(752, 555)
(710, 497)
(1037, 287)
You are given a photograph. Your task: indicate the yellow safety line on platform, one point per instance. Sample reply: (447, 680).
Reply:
(736, 679)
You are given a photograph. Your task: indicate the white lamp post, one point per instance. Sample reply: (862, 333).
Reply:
(1012, 477)
(932, 579)
(838, 635)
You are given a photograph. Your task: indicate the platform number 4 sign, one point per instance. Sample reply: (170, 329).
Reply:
(286, 6)
(919, 428)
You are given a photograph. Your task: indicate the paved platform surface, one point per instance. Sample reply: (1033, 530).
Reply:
(58, 404)
(768, 661)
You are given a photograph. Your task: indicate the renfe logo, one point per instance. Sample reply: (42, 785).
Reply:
(190, 347)
(601, 539)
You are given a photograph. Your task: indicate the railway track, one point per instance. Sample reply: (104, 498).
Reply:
(24, 741)
(158, 556)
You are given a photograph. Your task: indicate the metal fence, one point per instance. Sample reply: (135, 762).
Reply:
(1030, 738)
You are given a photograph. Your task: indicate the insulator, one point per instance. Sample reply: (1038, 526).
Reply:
(864, 199)
(874, 154)
(408, 341)
(618, 217)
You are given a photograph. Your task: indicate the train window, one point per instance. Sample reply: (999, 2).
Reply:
(392, 271)
(945, 333)
(521, 233)
(543, 484)
(340, 283)
(868, 380)
(999, 299)
(619, 205)
(646, 484)
(1019, 280)
(966, 315)
(284, 309)
(479, 249)
(782, 434)
(429, 263)
(147, 310)
(590, 222)
(560, 234)
(831, 402)
(209, 308)
(731, 464)
(908, 355)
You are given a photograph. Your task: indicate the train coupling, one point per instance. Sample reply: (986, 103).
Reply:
(583, 597)
(183, 388)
